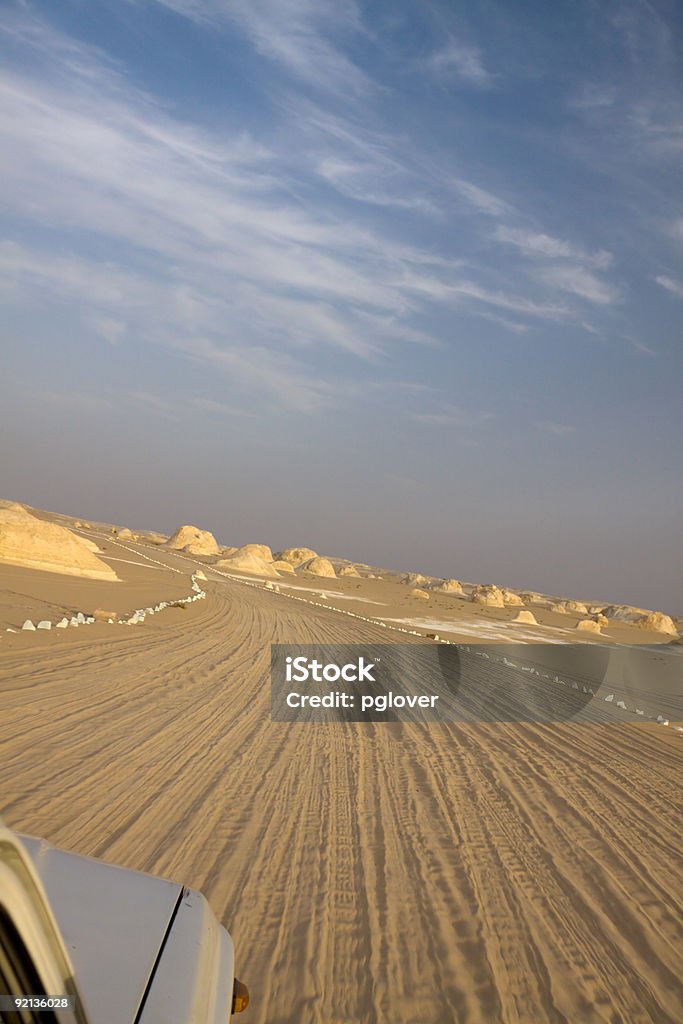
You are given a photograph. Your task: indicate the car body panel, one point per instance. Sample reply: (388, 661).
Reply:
(113, 921)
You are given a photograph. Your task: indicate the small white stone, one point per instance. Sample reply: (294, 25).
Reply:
(28, 625)
(610, 698)
(80, 618)
(62, 624)
(44, 624)
(620, 704)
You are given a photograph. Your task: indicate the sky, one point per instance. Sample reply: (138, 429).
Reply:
(399, 280)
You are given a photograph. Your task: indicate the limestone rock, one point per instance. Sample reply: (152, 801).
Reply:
(194, 541)
(349, 570)
(511, 599)
(447, 586)
(296, 556)
(414, 579)
(247, 561)
(28, 541)
(260, 550)
(625, 612)
(319, 566)
(419, 593)
(526, 616)
(102, 615)
(571, 607)
(657, 622)
(283, 566)
(126, 534)
(588, 626)
(488, 594)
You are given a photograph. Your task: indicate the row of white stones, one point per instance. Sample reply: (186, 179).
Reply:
(139, 615)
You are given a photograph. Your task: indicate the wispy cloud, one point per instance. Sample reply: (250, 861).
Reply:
(452, 417)
(670, 285)
(296, 34)
(479, 198)
(581, 283)
(542, 246)
(459, 59)
(559, 429)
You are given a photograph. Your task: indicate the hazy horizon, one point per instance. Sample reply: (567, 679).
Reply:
(400, 282)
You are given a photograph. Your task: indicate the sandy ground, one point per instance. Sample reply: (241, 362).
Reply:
(368, 872)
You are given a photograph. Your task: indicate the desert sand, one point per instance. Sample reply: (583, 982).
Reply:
(368, 872)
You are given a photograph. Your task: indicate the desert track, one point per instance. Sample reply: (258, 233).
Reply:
(368, 872)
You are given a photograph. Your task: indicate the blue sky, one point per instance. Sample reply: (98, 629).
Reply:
(400, 281)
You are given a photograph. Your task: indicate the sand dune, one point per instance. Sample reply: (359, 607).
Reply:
(368, 872)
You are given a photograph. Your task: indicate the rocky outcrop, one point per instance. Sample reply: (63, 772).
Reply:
(657, 622)
(414, 579)
(260, 550)
(194, 541)
(448, 586)
(588, 626)
(319, 566)
(247, 561)
(488, 594)
(295, 556)
(36, 544)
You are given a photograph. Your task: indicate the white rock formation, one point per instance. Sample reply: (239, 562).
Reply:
(448, 586)
(657, 622)
(526, 616)
(349, 570)
(260, 550)
(36, 544)
(488, 594)
(588, 626)
(194, 541)
(414, 579)
(419, 593)
(246, 561)
(296, 556)
(319, 566)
